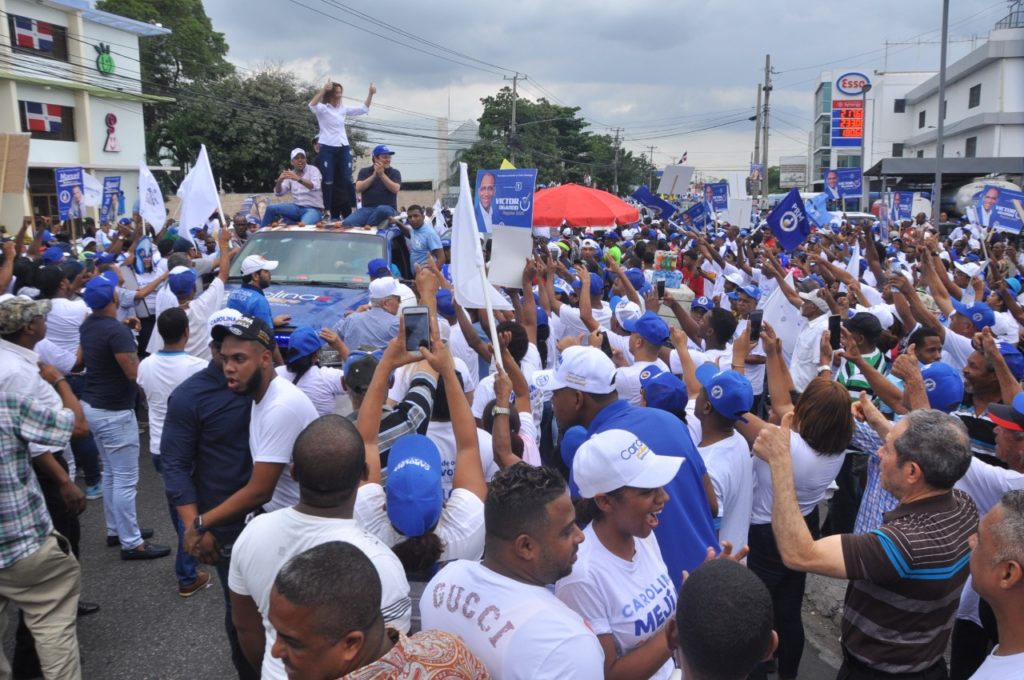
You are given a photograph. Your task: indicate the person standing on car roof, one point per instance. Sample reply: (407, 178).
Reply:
(335, 154)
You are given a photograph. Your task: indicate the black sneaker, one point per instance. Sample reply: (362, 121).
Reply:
(146, 551)
(114, 541)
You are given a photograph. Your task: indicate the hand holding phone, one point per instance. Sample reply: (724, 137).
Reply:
(835, 325)
(417, 327)
(756, 318)
(660, 285)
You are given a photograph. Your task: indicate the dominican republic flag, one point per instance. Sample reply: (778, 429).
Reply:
(33, 35)
(683, 159)
(43, 117)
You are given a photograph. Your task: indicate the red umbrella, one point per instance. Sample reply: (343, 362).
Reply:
(580, 206)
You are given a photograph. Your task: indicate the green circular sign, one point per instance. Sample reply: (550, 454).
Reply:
(104, 62)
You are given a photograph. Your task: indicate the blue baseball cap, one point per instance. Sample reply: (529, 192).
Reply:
(382, 150)
(47, 236)
(944, 385)
(596, 284)
(445, 302)
(729, 392)
(305, 340)
(649, 326)
(252, 219)
(446, 243)
(182, 283)
(54, 254)
(415, 497)
(702, 303)
(572, 440)
(980, 314)
(378, 267)
(1014, 359)
(99, 292)
(663, 391)
(750, 291)
(1014, 285)
(636, 278)
(105, 258)
(125, 221)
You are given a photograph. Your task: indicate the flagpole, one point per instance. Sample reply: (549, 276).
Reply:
(213, 183)
(485, 284)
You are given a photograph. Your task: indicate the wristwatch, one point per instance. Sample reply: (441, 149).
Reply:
(501, 411)
(198, 525)
(824, 367)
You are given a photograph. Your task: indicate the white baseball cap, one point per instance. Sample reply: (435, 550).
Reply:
(627, 310)
(589, 243)
(971, 269)
(223, 317)
(256, 263)
(586, 369)
(881, 312)
(815, 297)
(384, 287)
(736, 278)
(613, 459)
(297, 152)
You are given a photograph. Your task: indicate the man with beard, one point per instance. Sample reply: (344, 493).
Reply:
(501, 607)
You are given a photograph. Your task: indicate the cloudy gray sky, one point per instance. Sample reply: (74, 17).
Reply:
(667, 73)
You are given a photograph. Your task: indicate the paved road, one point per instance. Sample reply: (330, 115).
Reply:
(146, 631)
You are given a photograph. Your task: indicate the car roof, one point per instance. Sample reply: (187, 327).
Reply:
(372, 231)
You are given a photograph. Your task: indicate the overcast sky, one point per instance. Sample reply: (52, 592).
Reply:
(659, 70)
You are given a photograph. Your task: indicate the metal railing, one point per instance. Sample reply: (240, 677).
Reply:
(1015, 19)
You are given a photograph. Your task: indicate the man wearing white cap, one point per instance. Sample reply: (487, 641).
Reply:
(377, 326)
(303, 183)
(249, 298)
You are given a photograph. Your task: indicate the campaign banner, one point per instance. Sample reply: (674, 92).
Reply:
(699, 215)
(901, 206)
(717, 195)
(505, 198)
(111, 189)
(843, 183)
(661, 208)
(69, 192)
(756, 171)
(1000, 209)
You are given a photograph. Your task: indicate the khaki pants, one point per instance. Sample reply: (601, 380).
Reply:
(45, 586)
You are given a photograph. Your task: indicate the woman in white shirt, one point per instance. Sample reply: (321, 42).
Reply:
(321, 384)
(822, 427)
(620, 583)
(335, 155)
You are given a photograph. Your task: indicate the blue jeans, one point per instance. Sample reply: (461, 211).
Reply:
(291, 213)
(369, 216)
(117, 438)
(336, 166)
(87, 456)
(184, 564)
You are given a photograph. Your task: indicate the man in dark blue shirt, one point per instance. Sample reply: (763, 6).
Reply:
(583, 393)
(206, 459)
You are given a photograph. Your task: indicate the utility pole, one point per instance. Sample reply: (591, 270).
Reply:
(755, 186)
(615, 163)
(651, 159)
(512, 129)
(764, 119)
(940, 141)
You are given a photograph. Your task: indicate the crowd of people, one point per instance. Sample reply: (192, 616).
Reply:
(619, 480)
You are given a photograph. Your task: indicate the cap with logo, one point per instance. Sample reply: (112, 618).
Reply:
(980, 314)
(304, 340)
(17, 311)
(586, 369)
(382, 150)
(222, 317)
(944, 386)
(702, 303)
(650, 327)
(614, 459)
(729, 392)
(358, 371)
(99, 292)
(257, 263)
(246, 328)
(415, 496)
(663, 390)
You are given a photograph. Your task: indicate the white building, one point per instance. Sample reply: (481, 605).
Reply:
(69, 77)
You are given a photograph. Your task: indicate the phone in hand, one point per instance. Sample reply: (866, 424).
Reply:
(835, 333)
(417, 327)
(756, 317)
(660, 285)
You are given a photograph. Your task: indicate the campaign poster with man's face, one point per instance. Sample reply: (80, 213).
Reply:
(504, 198)
(69, 192)
(1000, 208)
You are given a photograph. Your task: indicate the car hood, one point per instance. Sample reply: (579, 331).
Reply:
(316, 306)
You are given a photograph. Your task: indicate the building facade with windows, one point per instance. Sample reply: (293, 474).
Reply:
(70, 79)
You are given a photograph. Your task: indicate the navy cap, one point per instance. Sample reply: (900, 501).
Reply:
(663, 391)
(247, 328)
(99, 292)
(182, 283)
(729, 392)
(378, 267)
(305, 340)
(182, 245)
(979, 313)
(382, 150)
(358, 370)
(650, 327)
(944, 386)
(415, 496)
(125, 221)
(702, 303)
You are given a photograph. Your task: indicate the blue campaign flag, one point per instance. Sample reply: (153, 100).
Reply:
(111, 188)
(817, 210)
(788, 221)
(662, 208)
(1000, 208)
(504, 198)
(699, 215)
(69, 192)
(717, 195)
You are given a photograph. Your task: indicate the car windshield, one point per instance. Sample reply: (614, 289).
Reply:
(307, 256)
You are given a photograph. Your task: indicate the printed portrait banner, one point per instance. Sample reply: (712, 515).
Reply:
(843, 183)
(504, 198)
(69, 192)
(1000, 208)
(111, 189)
(718, 195)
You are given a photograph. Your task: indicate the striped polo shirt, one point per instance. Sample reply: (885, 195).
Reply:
(905, 583)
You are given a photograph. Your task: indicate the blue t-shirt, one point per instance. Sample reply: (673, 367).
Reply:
(686, 529)
(422, 242)
(252, 302)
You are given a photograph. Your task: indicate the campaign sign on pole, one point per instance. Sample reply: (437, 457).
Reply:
(843, 183)
(902, 206)
(698, 214)
(717, 195)
(504, 197)
(111, 188)
(69, 192)
(1000, 208)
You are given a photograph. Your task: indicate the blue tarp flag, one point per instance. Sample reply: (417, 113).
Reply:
(660, 206)
(788, 221)
(699, 215)
(817, 210)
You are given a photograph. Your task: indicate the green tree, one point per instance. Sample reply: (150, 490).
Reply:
(552, 138)
(773, 180)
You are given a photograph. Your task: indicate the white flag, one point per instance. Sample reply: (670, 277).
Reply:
(440, 224)
(151, 199)
(467, 267)
(92, 190)
(198, 194)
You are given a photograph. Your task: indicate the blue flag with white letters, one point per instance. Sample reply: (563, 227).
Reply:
(788, 221)
(699, 215)
(662, 208)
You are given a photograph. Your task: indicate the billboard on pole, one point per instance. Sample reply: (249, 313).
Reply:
(792, 171)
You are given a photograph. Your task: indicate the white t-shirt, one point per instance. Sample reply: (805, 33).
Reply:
(63, 322)
(56, 356)
(629, 600)
(627, 379)
(271, 539)
(158, 375)
(519, 631)
(732, 476)
(276, 422)
(442, 434)
(720, 357)
(402, 379)
(1000, 667)
(461, 527)
(322, 384)
(957, 349)
(199, 311)
(812, 473)
(461, 350)
(753, 372)
(807, 353)
(573, 324)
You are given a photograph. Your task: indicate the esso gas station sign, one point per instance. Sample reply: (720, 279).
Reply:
(852, 84)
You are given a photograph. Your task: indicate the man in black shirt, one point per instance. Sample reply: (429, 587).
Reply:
(378, 185)
(108, 399)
